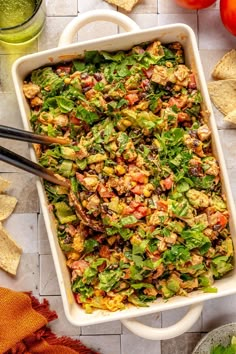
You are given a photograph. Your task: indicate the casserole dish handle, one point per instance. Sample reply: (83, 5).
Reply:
(175, 330)
(96, 15)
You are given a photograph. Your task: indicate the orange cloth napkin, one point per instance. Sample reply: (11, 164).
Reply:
(23, 327)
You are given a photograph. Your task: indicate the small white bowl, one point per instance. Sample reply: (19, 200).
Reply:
(220, 335)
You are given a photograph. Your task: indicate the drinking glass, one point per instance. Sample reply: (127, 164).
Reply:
(22, 20)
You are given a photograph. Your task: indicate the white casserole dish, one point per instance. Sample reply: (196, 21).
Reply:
(23, 66)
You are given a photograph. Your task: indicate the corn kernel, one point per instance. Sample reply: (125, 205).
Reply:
(169, 64)
(73, 255)
(133, 183)
(67, 80)
(120, 126)
(156, 143)
(108, 170)
(120, 170)
(84, 203)
(126, 122)
(145, 180)
(150, 187)
(147, 193)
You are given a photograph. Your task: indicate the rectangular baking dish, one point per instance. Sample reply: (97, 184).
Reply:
(23, 66)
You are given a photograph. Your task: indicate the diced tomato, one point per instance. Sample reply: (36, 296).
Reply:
(135, 204)
(192, 82)
(167, 183)
(99, 238)
(148, 72)
(80, 265)
(138, 215)
(75, 120)
(104, 192)
(138, 189)
(128, 210)
(178, 102)
(63, 69)
(71, 230)
(102, 267)
(182, 117)
(139, 177)
(88, 82)
(104, 252)
(79, 177)
(145, 84)
(78, 298)
(119, 160)
(127, 274)
(141, 211)
(221, 219)
(132, 98)
(162, 205)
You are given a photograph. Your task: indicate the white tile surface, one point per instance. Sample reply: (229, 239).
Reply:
(84, 6)
(6, 62)
(228, 142)
(44, 246)
(27, 278)
(23, 228)
(218, 312)
(153, 320)
(48, 279)
(62, 8)
(131, 344)
(187, 18)
(61, 325)
(170, 7)
(113, 327)
(109, 344)
(146, 20)
(9, 114)
(214, 36)
(169, 318)
(52, 32)
(232, 174)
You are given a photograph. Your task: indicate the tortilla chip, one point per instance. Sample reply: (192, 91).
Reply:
(223, 95)
(4, 184)
(10, 252)
(124, 4)
(7, 205)
(231, 117)
(226, 67)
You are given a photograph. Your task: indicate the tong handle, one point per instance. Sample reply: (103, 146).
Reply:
(22, 135)
(27, 165)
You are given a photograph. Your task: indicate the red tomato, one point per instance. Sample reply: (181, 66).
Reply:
(221, 219)
(132, 98)
(104, 192)
(195, 4)
(192, 82)
(138, 189)
(167, 183)
(228, 15)
(139, 177)
(75, 120)
(104, 252)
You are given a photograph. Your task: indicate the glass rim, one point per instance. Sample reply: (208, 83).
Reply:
(38, 4)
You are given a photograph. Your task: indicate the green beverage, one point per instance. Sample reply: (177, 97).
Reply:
(21, 20)
(14, 13)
